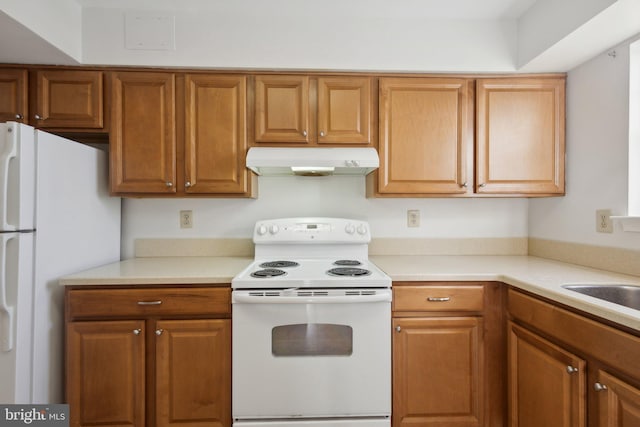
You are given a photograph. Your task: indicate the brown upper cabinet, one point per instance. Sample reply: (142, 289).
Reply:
(14, 101)
(298, 109)
(143, 133)
(215, 134)
(425, 136)
(68, 99)
(149, 154)
(520, 128)
(71, 100)
(426, 141)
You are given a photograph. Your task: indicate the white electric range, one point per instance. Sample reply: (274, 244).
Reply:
(311, 328)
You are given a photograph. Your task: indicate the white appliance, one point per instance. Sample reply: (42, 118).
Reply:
(56, 218)
(315, 161)
(311, 328)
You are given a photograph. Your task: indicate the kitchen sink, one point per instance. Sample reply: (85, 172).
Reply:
(627, 295)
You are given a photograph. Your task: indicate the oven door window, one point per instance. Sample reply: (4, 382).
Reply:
(312, 339)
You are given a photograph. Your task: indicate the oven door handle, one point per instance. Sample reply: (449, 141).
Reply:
(346, 299)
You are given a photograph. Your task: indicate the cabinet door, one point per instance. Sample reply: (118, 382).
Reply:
(344, 110)
(424, 136)
(520, 136)
(215, 134)
(193, 379)
(437, 372)
(546, 383)
(14, 99)
(282, 109)
(143, 136)
(105, 364)
(69, 99)
(618, 402)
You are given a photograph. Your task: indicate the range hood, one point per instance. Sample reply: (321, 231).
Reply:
(312, 161)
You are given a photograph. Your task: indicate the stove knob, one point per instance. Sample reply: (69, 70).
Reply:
(350, 229)
(274, 229)
(362, 229)
(262, 230)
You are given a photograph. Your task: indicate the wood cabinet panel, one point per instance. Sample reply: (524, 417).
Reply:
(14, 100)
(437, 372)
(438, 298)
(105, 371)
(193, 373)
(69, 99)
(92, 303)
(344, 110)
(282, 109)
(618, 402)
(520, 135)
(425, 131)
(546, 383)
(215, 134)
(143, 133)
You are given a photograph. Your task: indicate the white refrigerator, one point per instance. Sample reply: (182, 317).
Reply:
(56, 218)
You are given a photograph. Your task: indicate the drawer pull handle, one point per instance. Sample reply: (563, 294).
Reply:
(599, 387)
(438, 299)
(149, 302)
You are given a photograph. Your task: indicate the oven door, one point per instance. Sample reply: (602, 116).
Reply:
(311, 354)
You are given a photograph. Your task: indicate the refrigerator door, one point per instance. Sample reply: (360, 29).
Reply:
(77, 227)
(17, 177)
(16, 316)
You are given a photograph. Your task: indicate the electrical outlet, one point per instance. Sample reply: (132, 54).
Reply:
(186, 219)
(413, 218)
(603, 221)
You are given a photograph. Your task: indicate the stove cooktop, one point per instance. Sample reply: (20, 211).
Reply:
(310, 273)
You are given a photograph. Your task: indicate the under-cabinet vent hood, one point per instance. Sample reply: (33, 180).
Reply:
(312, 161)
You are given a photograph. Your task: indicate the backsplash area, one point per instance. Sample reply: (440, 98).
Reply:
(332, 196)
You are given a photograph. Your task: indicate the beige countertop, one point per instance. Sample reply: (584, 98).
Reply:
(537, 275)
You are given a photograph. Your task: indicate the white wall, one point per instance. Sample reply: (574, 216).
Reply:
(59, 24)
(597, 156)
(289, 34)
(322, 196)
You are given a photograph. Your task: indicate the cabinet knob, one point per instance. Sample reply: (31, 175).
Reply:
(304, 133)
(599, 387)
(38, 117)
(187, 184)
(572, 369)
(321, 133)
(398, 329)
(482, 185)
(159, 331)
(464, 185)
(137, 331)
(18, 116)
(169, 184)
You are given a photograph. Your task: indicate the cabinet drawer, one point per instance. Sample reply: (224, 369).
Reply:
(438, 298)
(92, 303)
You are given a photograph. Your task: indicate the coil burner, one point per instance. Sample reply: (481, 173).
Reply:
(348, 271)
(347, 262)
(279, 264)
(268, 272)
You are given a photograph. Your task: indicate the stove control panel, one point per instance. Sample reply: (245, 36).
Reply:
(311, 230)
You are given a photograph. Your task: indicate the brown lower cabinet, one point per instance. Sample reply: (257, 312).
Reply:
(447, 354)
(149, 357)
(569, 370)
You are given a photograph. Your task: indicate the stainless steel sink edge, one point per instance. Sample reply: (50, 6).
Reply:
(627, 295)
